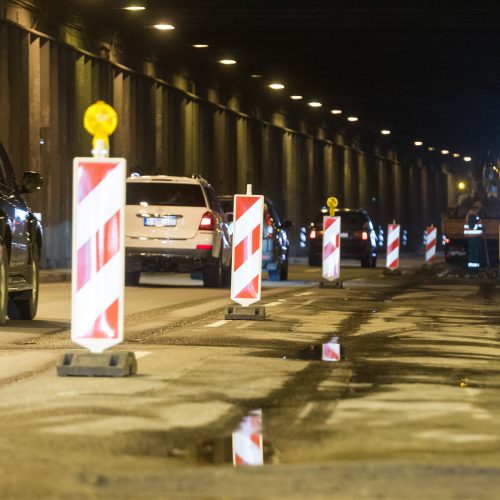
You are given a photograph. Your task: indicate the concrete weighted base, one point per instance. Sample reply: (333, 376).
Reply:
(392, 272)
(106, 364)
(331, 284)
(246, 313)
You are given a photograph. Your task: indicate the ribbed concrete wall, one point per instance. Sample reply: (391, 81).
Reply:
(46, 86)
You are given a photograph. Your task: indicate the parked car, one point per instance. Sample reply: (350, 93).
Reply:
(275, 242)
(175, 224)
(20, 244)
(358, 239)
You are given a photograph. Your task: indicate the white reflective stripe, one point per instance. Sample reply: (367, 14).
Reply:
(246, 273)
(95, 297)
(430, 253)
(248, 221)
(393, 234)
(99, 205)
(246, 450)
(331, 266)
(392, 257)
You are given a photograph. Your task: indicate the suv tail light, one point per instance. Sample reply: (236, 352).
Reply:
(363, 235)
(312, 234)
(269, 225)
(207, 222)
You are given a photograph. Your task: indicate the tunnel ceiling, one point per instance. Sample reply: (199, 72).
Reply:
(423, 69)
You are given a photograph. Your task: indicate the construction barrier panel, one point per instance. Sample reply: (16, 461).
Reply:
(98, 252)
(246, 273)
(392, 261)
(331, 248)
(247, 441)
(430, 245)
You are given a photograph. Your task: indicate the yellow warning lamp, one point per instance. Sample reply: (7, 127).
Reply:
(461, 185)
(100, 121)
(332, 204)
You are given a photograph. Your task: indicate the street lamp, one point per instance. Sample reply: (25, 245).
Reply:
(296, 97)
(315, 104)
(227, 62)
(134, 8)
(276, 86)
(352, 119)
(336, 111)
(385, 132)
(418, 143)
(467, 158)
(164, 27)
(445, 152)
(461, 185)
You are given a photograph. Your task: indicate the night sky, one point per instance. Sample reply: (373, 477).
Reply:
(426, 70)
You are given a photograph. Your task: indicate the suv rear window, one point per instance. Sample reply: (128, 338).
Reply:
(350, 220)
(180, 195)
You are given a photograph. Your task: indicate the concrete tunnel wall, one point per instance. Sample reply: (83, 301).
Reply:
(46, 85)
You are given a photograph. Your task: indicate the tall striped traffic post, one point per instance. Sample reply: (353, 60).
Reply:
(430, 245)
(331, 247)
(98, 255)
(246, 272)
(247, 441)
(392, 260)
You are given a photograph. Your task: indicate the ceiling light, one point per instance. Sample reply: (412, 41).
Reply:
(134, 7)
(227, 62)
(385, 132)
(456, 155)
(431, 148)
(164, 27)
(418, 143)
(255, 76)
(200, 45)
(315, 104)
(276, 86)
(296, 97)
(467, 158)
(336, 111)
(445, 152)
(352, 118)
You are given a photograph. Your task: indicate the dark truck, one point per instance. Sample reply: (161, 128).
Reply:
(20, 244)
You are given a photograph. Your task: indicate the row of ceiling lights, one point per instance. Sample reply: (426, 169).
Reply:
(281, 86)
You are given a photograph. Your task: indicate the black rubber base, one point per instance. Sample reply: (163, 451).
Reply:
(106, 364)
(391, 272)
(331, 284)
(246, 313)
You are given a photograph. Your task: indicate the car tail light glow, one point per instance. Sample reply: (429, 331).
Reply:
(312, 234)
(269, 225)
(364, 235)
(207, 222)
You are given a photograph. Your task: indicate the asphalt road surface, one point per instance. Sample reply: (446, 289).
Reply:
(410, 411)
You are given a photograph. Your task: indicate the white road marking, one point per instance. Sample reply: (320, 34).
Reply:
(308, 302)
(216, 324)
(303, 294)
(141, 354)
(272, 304)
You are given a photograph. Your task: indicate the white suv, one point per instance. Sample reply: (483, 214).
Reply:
(175, 224)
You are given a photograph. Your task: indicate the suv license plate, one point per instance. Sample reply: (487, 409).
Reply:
(344, 235)
(170, 221)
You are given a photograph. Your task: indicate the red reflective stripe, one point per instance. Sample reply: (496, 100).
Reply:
(239, 460)
(251, 290)
(106, 325)
(430, 245)
(330, 353)
(83, 263)
(255, 438)
(241, 252)
(243, 203)
(328, 222)
(393, 245)
(256, 239)
(328, 249)
(90, 175)
(108, 241)
(337, 241)
(394, 263)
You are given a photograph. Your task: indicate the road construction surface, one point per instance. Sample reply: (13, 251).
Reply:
(410, 411)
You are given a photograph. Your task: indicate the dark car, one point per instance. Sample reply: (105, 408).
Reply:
(20, 244)
(275, 243)
(357, 237)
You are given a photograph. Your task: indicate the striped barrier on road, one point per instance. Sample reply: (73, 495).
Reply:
(248, 446)
(430, 245)
(392, 261)
(246, 274)
(98, 252)
(331, 248)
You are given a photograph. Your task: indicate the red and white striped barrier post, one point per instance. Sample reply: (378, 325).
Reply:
(331, 248)
(392, 261)
(331, 350)
(430, 245)
(247, 441)
(98, 255)
(246, 272)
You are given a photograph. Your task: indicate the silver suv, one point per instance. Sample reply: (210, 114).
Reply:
(176, 224)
